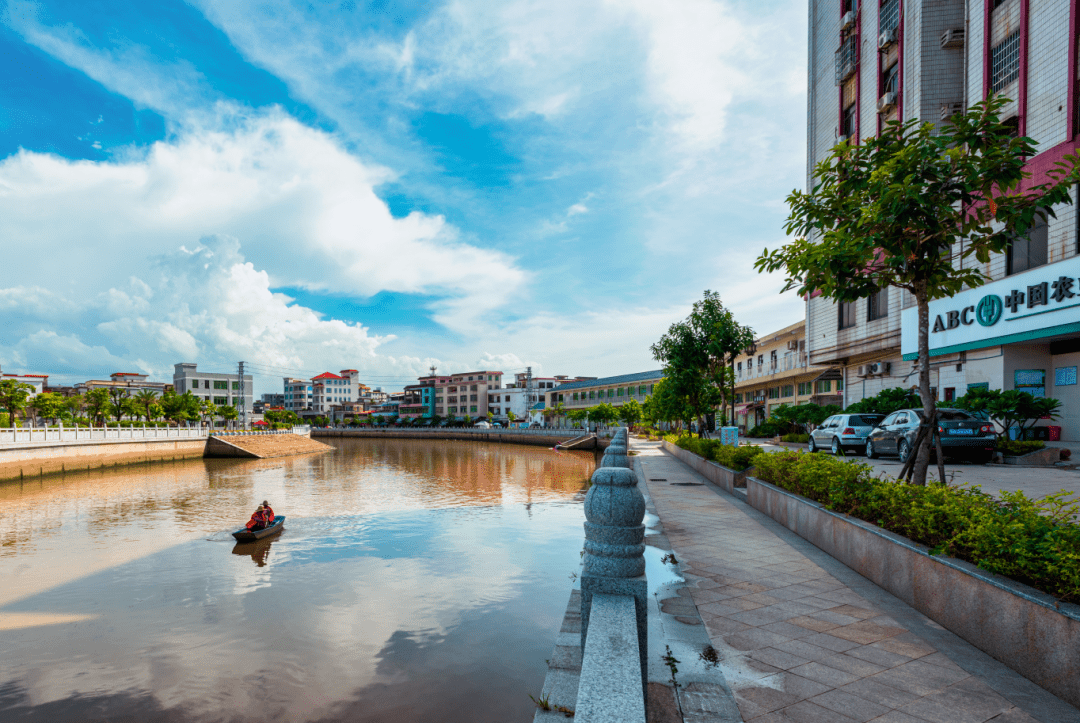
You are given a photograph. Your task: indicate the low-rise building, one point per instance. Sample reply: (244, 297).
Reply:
(37, 381)
(615, 390)
(133, 382)
(467, 394)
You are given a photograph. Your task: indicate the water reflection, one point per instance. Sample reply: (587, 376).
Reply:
(415, 581)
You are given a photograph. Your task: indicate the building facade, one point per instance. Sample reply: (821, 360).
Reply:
(916, 59)
(130, 381)
(775, 371)
(37, 381)
(614, 390)
(329, 389)
(466, 395)
(221, 389)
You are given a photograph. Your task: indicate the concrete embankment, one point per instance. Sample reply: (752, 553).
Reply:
(36, 459)
(549, 438)
(262, 447)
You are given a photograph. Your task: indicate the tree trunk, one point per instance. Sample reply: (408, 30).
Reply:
(922, 453)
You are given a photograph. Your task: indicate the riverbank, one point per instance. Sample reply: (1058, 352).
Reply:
(37, 459)
(533, 437)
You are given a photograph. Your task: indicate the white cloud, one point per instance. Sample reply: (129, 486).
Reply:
(305, 210)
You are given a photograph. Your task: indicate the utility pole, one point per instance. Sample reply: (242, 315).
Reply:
(528, 396)
(243, 399)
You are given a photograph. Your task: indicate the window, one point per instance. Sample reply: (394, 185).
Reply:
(890, 79)
(845, 58)
(592, 394)
(1005, 62)
(575, 396)
(610, 393)
(774, 392)
(236, 385)
(889, 17)
(220, 400)
(472, 397)
(619, 392)
(950, 394)
(761, 360)
(878, 306)
(1029, 252)
(472, 409)
(651, 388)
(560, 397)
(823, 387)
(641, 389)
(848, 128)
(839, 385)
(846, 311)
(804, 388)
(472, 388)
(788, 391)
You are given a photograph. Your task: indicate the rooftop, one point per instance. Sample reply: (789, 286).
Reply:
(608, 381)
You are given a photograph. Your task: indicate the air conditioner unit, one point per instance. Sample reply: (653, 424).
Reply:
(953, 38)
(848, 20)
(886, 102)
(886, 38)
(886, 368)
(862, 371)
(948, 110)
(793, 344)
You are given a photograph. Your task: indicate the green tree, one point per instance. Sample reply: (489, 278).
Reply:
(144, 399)
(118, 402)
(905, 209)
(178, 408)
(1011, 408)
(467, 420)
(511, 417)
(208, 410)
(490, 417)
(228, 413)
(577, 416)
(630, 413)
(96, 402)
(14, 396)
(887, 401)
(73, 407)
(48, 405)
(154, 412)
(603, 413)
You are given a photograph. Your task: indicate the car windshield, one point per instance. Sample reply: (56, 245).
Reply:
(866, 420)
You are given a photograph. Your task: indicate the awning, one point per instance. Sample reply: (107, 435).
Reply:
(830, 374)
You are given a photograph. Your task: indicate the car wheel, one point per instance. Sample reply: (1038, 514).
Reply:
(870, 453)
(836, 448)
(903, 449)
(812, 445)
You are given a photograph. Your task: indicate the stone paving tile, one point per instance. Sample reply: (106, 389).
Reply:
(796, 645)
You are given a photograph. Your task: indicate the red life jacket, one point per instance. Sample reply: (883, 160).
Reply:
(259, 518)
(269, 515)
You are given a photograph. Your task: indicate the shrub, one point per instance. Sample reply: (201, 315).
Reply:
(796, 438)
(766, 429)
(1036, 542)
(736, 458)
(1011, 448)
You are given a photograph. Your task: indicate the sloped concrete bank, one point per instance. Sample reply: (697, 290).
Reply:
(39, 459)
(262, 446)
(505, 437)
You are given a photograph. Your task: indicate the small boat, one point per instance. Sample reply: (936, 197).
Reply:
(246, 535)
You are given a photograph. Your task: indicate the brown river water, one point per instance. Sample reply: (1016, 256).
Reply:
(414, 581)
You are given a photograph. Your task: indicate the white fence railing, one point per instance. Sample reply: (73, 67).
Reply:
(549, 431)
(95, 434)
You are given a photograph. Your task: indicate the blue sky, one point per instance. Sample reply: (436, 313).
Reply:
(388, 185)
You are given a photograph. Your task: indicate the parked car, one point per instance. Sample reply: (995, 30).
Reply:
(962, 435)
(844, 432)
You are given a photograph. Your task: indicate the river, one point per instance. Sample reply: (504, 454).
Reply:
(414, 581)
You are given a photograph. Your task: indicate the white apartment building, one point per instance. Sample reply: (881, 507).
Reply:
(917, 59)
(37, 381)
(329, 389)
(217, 388)
(297, 395)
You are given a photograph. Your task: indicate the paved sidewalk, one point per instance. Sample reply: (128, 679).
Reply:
(803, 638)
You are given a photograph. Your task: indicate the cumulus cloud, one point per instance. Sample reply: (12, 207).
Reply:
(305, 209)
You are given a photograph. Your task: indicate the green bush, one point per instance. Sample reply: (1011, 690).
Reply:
(1011, 448)
(1036, 542)
(736, 458)
(796, 438)
(765, 429)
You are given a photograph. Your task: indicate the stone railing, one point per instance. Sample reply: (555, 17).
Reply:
(60, 434)
(614, 595)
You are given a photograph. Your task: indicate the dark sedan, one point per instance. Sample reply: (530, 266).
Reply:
(962, 435)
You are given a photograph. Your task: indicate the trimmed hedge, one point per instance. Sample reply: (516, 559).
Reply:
(1036, 542)
(1014, 448)
(796, 438)
(736, 458)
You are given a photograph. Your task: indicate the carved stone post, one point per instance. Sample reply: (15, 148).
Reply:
(615, 548)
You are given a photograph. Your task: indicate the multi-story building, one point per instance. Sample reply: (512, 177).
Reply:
(221, 389)
(329, 389)
(526, 397)
(298, 394)
(132, 382)
(614, 390)
(774, 371)
(273, 400)
(419, 399)
(466, 395)
(917, 59)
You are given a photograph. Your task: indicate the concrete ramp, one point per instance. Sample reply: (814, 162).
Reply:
(585, 441)
(261, 446)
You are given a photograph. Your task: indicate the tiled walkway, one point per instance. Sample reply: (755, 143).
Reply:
(803, 638)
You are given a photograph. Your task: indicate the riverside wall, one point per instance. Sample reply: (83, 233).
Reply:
(19, 461)
(539, 438)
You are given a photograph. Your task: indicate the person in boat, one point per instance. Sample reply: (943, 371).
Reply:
(268, 512)
(258, 520)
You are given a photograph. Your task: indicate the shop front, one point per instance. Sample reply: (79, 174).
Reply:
(1021, 332)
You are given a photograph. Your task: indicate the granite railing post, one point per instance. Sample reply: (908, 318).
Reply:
(615, 548)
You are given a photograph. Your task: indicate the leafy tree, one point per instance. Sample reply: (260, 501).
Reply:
(208, 410)
(1011, 408)
(603, 413)
(97, 403)
(144, 399)
(73, 406)
(154, 412)
(228, 413)
(118, 402)
(14, 396)
(577, 416)
(905, 209)
(467, 420)
(511, 417)
(321, 421)
(49, 405)
(377, 419)
(887, 401)
(630, 413)
(184, 407)
(490, 416)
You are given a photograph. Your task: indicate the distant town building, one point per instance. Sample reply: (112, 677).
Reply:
(220, 389)
(775, 371)
(133, 382)
(37, 381)
(461, 395)
(525, 402)
(613, 390)
(329, 389)
(273, 400)
(297, 395)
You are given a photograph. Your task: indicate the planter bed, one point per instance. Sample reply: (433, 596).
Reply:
(1047, 457)
(1025, 629)
(723, 477)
